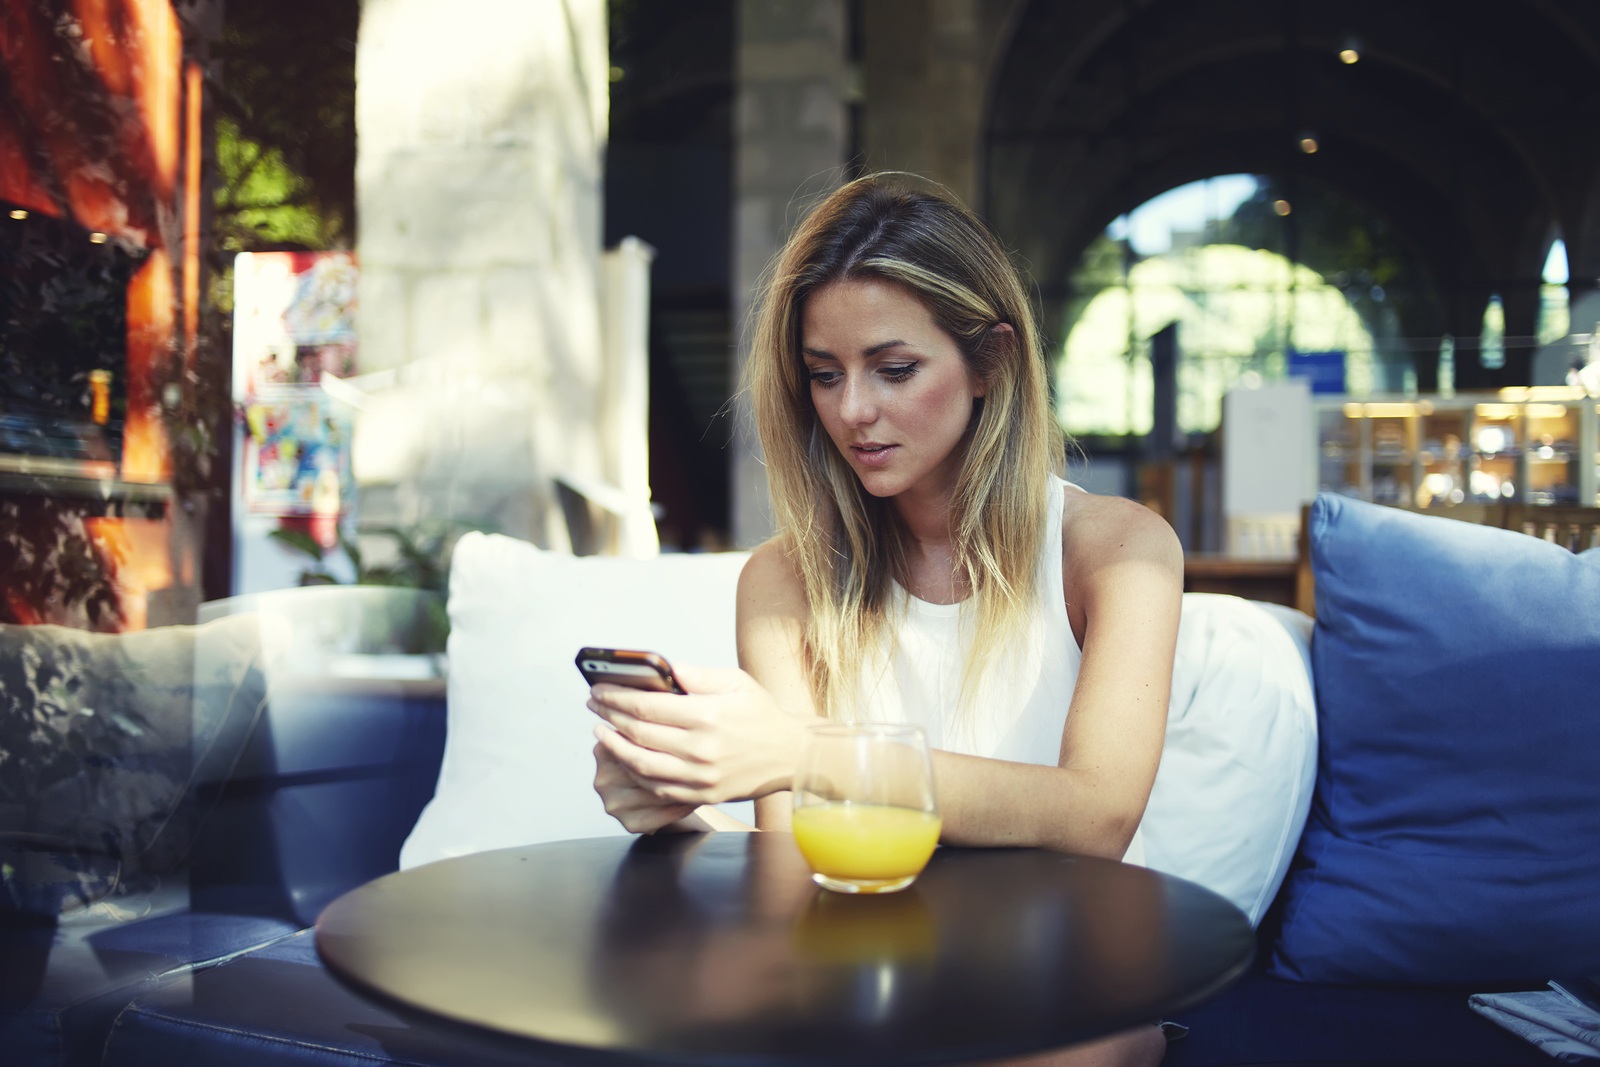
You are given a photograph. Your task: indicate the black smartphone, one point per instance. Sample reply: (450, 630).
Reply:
(626, 666)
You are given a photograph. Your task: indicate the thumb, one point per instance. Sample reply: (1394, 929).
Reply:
(700, 679)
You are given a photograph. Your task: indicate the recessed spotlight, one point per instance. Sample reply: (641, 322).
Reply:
(1281, 207)
(1349, 56)
(18, 213)
(97, 238)
(1309, 145)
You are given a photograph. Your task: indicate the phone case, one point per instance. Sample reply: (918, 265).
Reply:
(625, 666)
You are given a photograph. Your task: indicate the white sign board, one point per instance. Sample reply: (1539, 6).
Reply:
(1268, 466)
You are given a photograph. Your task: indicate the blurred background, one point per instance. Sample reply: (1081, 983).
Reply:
(298, 292)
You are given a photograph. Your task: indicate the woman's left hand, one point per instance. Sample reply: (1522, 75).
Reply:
(726, 740)
(636, 807)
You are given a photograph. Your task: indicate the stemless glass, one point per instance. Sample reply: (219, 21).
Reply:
(865, 817)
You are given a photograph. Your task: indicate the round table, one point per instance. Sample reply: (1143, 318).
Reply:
(717, 947)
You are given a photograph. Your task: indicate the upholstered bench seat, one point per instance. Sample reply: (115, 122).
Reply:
(278, 1006)
(64, 985)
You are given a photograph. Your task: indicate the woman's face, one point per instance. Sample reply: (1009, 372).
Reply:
(889, 385)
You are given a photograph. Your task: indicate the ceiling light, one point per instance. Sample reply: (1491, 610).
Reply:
(1348, 56)
(1308, 144)
(1281, 207)
(18, 213)
(97, 238)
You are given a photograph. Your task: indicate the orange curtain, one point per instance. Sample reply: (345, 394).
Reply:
(90, 95)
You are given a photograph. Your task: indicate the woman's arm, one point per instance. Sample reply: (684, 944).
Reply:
(1123, 573)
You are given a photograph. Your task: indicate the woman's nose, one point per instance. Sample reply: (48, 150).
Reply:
(857, 406)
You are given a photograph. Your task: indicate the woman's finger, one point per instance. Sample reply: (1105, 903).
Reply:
(709, 680)
(650, 768)
(657, 771)
(675, 740)
(667, 709)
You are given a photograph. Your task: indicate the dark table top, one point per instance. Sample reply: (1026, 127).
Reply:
(711, 948)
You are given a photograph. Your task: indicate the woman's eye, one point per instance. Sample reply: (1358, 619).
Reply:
(900, 372)
(823, 377)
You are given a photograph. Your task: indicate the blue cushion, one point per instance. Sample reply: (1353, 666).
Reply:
(1454, 834)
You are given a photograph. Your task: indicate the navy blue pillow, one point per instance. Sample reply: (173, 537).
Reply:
(1454, 834)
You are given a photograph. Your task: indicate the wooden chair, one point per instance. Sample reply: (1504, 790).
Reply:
(1305, 585)
(1573, 528)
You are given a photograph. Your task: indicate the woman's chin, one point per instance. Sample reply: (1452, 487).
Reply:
(877, 484)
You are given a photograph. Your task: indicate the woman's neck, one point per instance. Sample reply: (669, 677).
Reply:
(930, 551)
(925, 518)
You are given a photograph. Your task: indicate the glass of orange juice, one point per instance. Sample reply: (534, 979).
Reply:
(865, 816)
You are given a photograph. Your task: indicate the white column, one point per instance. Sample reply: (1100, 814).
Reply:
(480, 138)
(625, 425)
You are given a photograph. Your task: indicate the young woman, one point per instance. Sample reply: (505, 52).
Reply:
(931, 565)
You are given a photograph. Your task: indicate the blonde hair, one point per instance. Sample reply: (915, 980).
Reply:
(847, 545)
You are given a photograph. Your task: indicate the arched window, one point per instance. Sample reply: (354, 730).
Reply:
(1209, 256)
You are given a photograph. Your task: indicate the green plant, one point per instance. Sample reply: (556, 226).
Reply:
(420, 560)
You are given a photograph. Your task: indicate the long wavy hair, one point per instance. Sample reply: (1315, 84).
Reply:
(847, 545)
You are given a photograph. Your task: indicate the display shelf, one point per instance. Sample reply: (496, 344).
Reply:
(1537, 446)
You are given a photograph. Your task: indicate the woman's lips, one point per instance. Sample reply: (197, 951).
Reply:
(873, 455)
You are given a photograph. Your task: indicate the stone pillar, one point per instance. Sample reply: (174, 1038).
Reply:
(478, 179)
(791, 137)
(926, 67)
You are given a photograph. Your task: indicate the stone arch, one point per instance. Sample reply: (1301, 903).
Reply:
(1450, 129)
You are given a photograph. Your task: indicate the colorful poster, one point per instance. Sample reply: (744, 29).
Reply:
(294, 323)
(297, 453)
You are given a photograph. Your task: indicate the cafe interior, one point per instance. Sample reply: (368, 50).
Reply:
(299, 297)
(1396, 212)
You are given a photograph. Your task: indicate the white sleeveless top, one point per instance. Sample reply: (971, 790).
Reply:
(1023, 697)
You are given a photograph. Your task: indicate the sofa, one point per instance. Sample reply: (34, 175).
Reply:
(1451, 844)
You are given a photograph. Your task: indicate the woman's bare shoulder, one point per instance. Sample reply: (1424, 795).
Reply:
(770, 580)
(1097, 530)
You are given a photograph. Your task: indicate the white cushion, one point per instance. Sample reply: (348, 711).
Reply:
(518, 765)
(1240, 758)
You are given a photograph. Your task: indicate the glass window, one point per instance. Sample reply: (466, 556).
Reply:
(1214, 258)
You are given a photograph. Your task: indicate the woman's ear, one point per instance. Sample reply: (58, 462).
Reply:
(1000, 335)
(1003, 331)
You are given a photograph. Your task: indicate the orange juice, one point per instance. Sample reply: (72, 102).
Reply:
(865, 843)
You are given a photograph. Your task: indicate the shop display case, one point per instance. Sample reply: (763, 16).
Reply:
(1528, 445)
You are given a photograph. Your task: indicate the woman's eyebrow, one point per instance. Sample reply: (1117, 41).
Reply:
(871, 350)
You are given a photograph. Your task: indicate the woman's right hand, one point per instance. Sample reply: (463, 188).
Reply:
(638, 809)
(725, 739)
